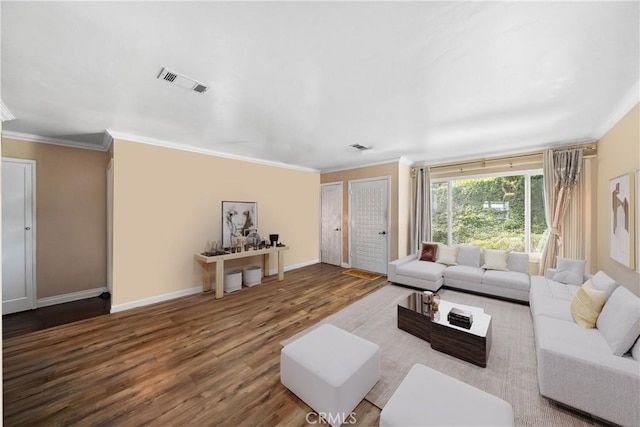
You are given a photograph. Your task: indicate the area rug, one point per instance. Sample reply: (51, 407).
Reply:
(511, 369)
(361, 274)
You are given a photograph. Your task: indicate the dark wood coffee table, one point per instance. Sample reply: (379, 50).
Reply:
(471, 345)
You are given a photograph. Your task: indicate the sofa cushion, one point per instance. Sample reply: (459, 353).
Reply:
(604, 283)
(518, 261)
(447, 254)
(587, 304)
(506, 279)
(495, 260)
(553, 289)
(635, 350)
(469, 255)
(421, 270)
(570, 271)
(428, 252)
(569, 338)
(551, 307)
(464, 272)
(619, 321)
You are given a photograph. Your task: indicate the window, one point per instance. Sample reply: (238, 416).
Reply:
(503, 211)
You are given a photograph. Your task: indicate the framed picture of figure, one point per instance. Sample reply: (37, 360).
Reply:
(621, 239)
(238, 218)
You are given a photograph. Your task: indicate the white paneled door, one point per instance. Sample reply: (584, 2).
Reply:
(18, 266)
(368, 224)
(331, 223)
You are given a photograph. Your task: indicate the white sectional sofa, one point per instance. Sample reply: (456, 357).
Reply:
(467, 275)
(588, 369)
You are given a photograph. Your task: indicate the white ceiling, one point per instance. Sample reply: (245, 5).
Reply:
(298, 82)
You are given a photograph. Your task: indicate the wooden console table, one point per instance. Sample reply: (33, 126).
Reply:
(219, 260)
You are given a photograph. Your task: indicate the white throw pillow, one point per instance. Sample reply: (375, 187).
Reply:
(619, 320)
(447, 255)
(495, 259)
(570, 271)
(604, 283)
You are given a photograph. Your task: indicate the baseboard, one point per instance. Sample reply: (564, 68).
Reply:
(155, 299)
(73, 296)
(346, 265)
(295, 266)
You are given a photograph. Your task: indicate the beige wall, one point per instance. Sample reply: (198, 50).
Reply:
(168, 203)
(384, 170)
(70, 216)
(618, 154)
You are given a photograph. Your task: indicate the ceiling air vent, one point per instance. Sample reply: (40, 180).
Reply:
(359, 147)
(182, 81)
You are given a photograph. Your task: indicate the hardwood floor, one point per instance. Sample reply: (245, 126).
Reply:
(47, 317)
(189, 361)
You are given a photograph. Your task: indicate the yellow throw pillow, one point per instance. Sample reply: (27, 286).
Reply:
(587, 305)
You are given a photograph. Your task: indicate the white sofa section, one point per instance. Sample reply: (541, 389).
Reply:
(576, 365)
(467, 275)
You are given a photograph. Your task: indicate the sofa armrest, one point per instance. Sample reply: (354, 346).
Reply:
(404, 260)
(393, 265)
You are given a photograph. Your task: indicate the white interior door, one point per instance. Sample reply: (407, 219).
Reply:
(18, 235)
(368, 224)
(331, 224)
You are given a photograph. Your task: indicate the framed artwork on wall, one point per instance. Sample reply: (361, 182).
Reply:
(620, 216)
(238, 218)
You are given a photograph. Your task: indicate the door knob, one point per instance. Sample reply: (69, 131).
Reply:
(382, 232)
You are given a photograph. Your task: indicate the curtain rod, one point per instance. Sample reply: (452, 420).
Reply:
(586, 146)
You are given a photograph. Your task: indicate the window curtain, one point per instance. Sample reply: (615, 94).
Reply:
(561, 174)
(420, 207)
(577, 226)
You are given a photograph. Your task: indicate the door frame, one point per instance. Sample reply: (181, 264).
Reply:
(341, 206)
(109, 173)
(378, 178)
(34, 288)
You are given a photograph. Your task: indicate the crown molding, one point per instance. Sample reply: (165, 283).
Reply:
(53, 141)
(406, 161)
(628, 101)
(5, 114)
(175, 146)
(403, 160)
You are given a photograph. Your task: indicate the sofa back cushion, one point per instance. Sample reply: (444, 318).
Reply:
(570, 271)
(469, 255)
(619, 321)
(429, 251)
(604, 283)
(635, 350)
(518, 261)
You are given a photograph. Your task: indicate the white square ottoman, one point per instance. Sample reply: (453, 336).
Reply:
(427, 397)
(331, 370)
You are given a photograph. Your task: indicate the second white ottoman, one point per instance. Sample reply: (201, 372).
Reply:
(331, 370)
(427, 397)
